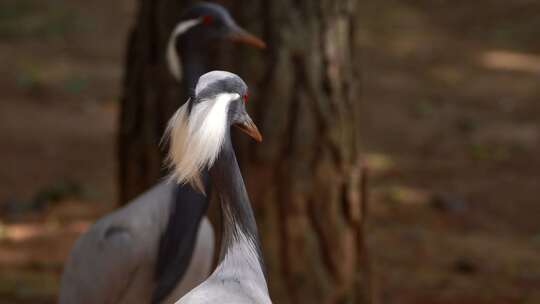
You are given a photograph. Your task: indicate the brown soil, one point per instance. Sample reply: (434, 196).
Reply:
(449, 120)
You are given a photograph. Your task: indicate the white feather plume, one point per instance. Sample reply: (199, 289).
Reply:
(174, 61)
(195, 140)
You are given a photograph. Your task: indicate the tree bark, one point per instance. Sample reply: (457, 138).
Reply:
(304, 177)
(150, 96)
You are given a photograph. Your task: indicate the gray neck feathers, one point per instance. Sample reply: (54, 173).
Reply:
(186, 56)
(193, 67)
(240, 246)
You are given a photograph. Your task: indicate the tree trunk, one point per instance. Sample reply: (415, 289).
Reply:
(303, 178)
(150, 97)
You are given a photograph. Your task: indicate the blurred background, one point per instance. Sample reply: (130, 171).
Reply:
(448, 118)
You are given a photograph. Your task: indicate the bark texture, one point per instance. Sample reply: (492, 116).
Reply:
(304, 177)
(150, 97)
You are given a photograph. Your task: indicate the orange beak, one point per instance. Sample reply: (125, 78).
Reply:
(248, 126)
(238, 34)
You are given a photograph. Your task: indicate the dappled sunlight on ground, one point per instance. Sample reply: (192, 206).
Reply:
(511, 61)
(451, 102)
(33, 248)
(448, 117)
(61, 70)
(20, 232)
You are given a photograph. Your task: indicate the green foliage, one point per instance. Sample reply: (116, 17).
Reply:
(75, 84)
(466, 125)
(422, 108)
(489, 151)
(30, 18)
(28, 285)
(27, 80)
(58, 191)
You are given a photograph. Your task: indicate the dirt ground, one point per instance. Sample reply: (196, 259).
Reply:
(449, 117)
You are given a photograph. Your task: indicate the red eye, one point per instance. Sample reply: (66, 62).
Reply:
(245, 97)
(207, 19)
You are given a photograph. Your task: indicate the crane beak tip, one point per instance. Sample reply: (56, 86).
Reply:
(243, 36)
(250, 129)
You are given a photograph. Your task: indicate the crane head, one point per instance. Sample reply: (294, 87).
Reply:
(205, 24)
(216, 23)
(197, 131)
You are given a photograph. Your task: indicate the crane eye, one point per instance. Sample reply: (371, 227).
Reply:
(245, 97)
(207, 19)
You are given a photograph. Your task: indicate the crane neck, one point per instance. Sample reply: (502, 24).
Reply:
(195, 60)
(240, 255)
(194, 66)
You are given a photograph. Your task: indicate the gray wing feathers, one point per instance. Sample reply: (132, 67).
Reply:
(101, 266)
(201, 263)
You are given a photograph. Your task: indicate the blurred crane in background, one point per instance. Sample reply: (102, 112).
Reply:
(158, 246)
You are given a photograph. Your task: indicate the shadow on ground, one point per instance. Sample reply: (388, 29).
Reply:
(449, 122)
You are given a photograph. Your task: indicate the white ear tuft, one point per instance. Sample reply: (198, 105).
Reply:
(196, 138)
(173, 58)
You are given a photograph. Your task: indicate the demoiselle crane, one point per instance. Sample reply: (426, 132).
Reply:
(160, 245)
(200, 139)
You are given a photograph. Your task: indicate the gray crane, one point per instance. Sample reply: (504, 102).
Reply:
(160, 245)
(200, 139)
